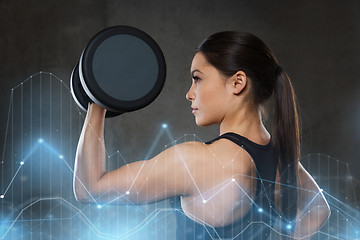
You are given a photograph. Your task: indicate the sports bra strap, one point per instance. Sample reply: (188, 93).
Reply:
(243, 142)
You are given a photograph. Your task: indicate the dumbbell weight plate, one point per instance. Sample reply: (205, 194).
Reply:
(79, 95)
(122, 69)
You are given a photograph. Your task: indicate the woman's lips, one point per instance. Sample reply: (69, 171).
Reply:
(194, 110)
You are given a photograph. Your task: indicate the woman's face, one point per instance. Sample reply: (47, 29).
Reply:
(207, 93)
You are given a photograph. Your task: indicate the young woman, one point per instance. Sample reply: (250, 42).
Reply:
(236, 186)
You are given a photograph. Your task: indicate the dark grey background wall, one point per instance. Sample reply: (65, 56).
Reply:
(316, 42)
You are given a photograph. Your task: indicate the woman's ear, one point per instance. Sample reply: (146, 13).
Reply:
(238, 81)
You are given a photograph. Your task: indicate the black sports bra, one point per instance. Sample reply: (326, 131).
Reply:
(257, 222)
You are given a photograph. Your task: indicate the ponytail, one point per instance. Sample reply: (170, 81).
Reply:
(230, 52)
(286, 136)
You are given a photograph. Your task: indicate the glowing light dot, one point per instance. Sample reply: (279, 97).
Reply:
(127, 192)
(260, 210)
(164, 125)
(2, 196)
(21, 163)
(41, 140)
(204, 201)
(233, 179)
(61, 156)
(99, 206)
(288, 226)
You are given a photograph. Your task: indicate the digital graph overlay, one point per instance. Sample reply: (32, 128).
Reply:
(36, 195)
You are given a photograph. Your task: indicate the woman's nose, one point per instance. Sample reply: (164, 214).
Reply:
(190, 95)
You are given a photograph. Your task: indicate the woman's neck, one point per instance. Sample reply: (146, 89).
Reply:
(248, 123)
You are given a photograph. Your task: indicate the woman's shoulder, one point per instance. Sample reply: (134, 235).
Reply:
(219, 169)
(202, 158)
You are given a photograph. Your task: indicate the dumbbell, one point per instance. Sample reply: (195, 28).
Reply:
(121, 69)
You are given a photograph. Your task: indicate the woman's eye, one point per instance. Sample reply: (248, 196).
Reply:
(196, 79)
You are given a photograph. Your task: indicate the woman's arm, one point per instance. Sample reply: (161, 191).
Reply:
(145, 181)
(185, 169)
(90, 163)
(313, 208)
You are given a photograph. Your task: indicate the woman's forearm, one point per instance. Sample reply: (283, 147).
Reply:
(90, 161)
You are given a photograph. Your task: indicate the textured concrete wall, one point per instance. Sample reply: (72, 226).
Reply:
(316, 42)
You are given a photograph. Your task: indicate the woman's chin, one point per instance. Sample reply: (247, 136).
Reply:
(198, 123)
(202, 123)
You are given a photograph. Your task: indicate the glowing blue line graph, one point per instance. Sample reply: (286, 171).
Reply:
(41, 143)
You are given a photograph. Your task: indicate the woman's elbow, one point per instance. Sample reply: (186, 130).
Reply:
(322, 214)
(81, 199)
(81, 194)
(325, 213)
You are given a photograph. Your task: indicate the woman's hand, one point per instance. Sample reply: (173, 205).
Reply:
(96, 109)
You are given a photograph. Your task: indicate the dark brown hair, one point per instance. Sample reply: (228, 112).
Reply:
(232, 51)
